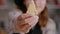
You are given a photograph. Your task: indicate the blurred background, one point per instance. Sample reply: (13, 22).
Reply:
(52, 5)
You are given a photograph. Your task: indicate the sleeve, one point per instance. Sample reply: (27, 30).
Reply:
(51, 27)
(9, 26)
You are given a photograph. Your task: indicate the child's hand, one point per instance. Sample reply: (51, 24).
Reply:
(25, 22)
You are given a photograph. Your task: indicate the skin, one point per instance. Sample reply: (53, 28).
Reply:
(25, 21)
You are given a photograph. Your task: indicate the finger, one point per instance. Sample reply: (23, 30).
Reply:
(23, 25)
(25, 16)
(21, 22)
(19, 18)
(29, 20)
(26, 27)
(23, 28)
(34, 22)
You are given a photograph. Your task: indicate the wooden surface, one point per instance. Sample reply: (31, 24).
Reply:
(3, 32)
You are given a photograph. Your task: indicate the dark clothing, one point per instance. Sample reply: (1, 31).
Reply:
(36, 30)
